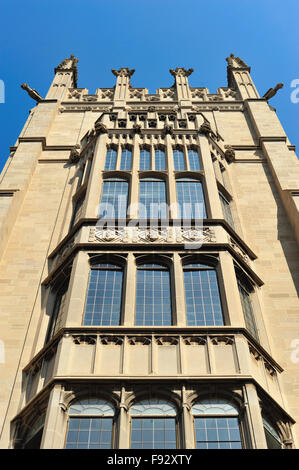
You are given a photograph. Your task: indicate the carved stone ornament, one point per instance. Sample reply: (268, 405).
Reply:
(75, 93)
(272, 91)
(152, 235)
(227, 340)
(32, 93)
(144, 340)
(84, 339)
(167, 340)
(239, 250)
(109, 235)
(116, 340)
(107, 94)
(205, 128)
(74, 155)
(137, 128)
(236, 62)
(123, 72)
(168, 129)
(230, 153)
(204, 235)
(181, 72)
(68, 63)
(194, 340)
(100, 128)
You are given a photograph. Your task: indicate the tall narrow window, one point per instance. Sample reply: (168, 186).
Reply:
(33, 437)
(152, 199)
(226, 210)
(194, 162)
(272, 437)
(160, 162)
(103, 303)
(203, 304)
(145, 160)
(90, 425)
(216, 425)
(247, 308)
(77, 211)
(56, 321)
(153, 425)
(111, 156)
(179, 160)
(126, 159)
(153, 297)
(190, 198)
(114, 199)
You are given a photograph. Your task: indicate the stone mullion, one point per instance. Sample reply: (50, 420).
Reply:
(95, 183)
(229, 292)
(214, 209)
(171, 179)
(56, 421)
(179, 293)
(254, 418)
(130, 288)
(134, 189)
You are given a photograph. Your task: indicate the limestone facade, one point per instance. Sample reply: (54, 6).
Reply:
(51, 240)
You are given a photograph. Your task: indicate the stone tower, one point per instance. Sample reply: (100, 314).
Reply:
(148, 268)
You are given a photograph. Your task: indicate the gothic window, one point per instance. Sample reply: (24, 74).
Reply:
(272, 437)
(244, 290)
(77, 211)
(194, 162)
(179, 160)
(152, 199)
(126, 159)
(160, 162)
(145, 160)
(111, 157)
(190, 199)
(90, 425)
(226, 210)
(34, 435)
(56, 322)
(104, 296)
(153, 296)
(114, 199)
(153, 425)
(203, 305)
(216, 425)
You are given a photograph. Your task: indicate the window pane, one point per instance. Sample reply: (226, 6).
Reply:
(179, 160)
(126, 160)
(203, 304)
(153, 433)
(89, 433)
(110, 163)
(114, 200)
(194, 162)
(103, 301)
(160, 163)
(56, 321)
(152, 200)
(247, 310)
(153, 300)
(217, 433)
(145, 160)
(190, 200)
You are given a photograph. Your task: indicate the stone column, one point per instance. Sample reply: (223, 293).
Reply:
(254, 417)
(56, 421)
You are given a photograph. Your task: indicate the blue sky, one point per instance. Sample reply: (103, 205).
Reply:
(151, 36)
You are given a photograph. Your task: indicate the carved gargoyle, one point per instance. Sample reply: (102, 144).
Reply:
(32, 93)
(100, 128)
(137, 128)
(168, 129)
(235, 61)
(229, 153)
(74, 155)
(272, 91)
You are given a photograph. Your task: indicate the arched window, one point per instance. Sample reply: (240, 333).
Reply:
(152, 199)
(145, 160)
(126, 159)
(203, 305)
(33, 437)
(90, 425)
(216, 425)
(56, 322)
(227, 215)
(153, 425)
(114, 199)
(111, 156)
(194, 162)
(160, 161)
(190, 199)
(104, 296)
(272, 437)
(179, 160)
(244, 290)
(153, 296)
